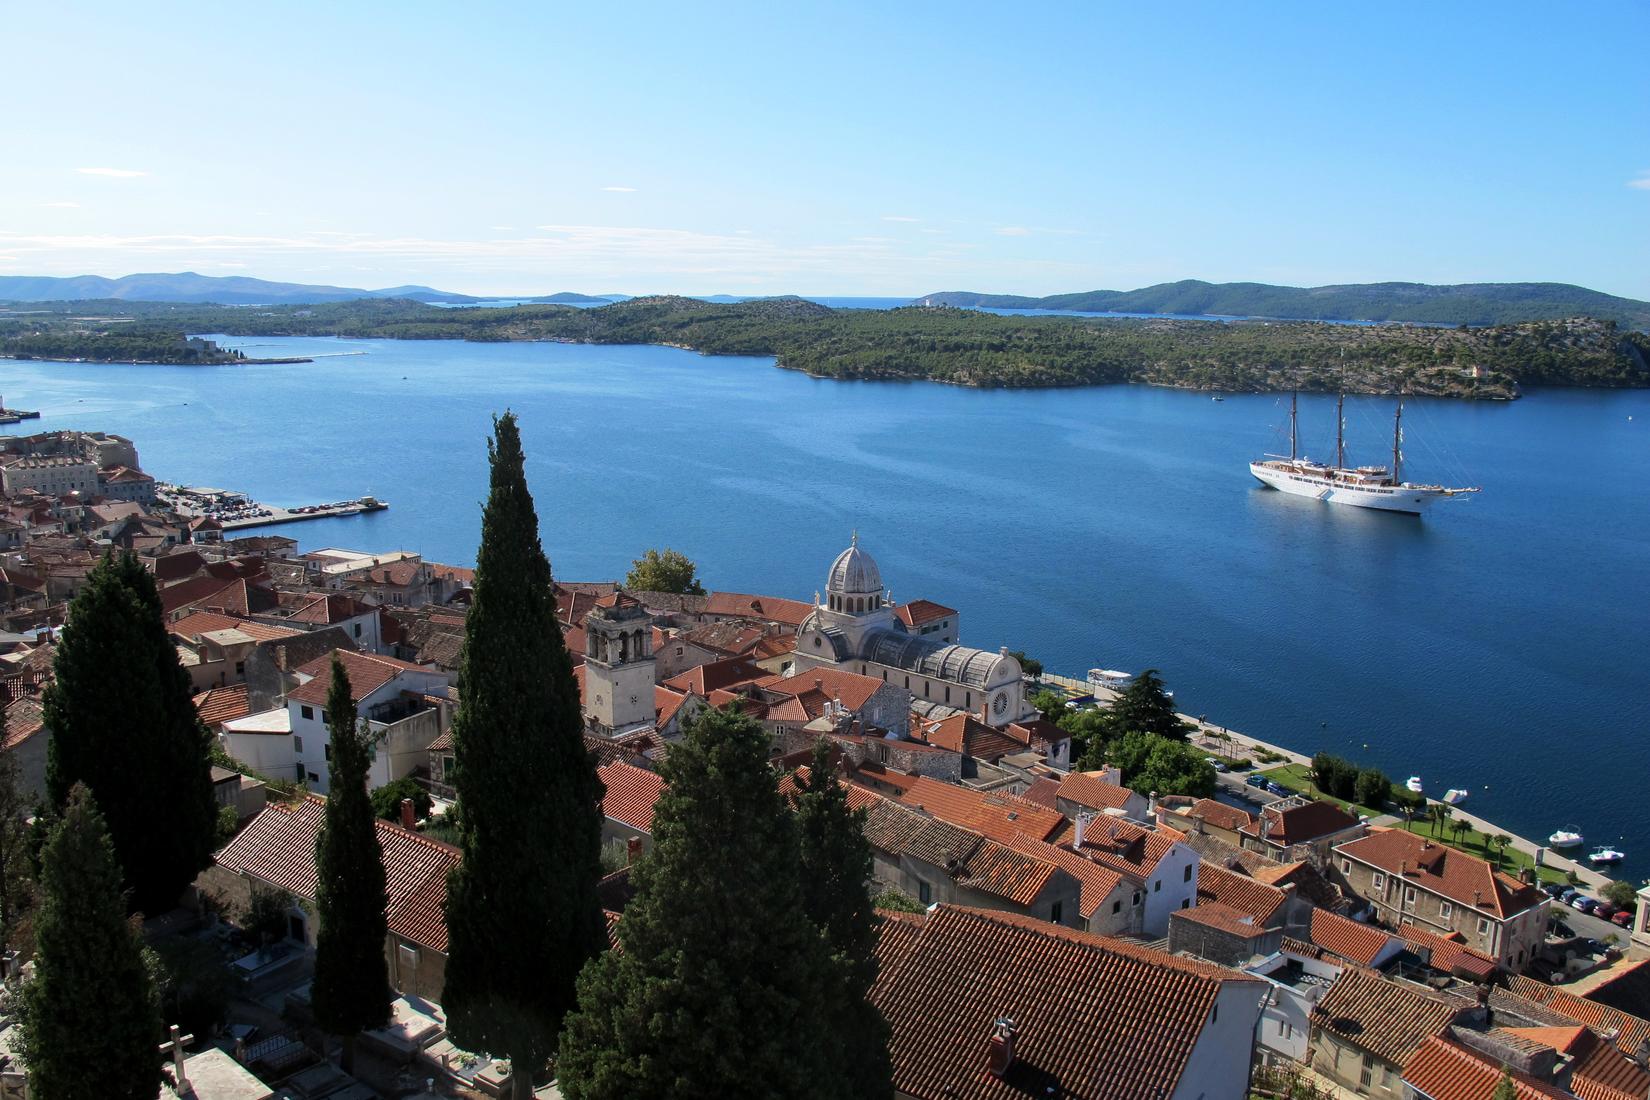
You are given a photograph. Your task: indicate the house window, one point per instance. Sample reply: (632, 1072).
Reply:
(1187, 877)
(357, 630)
(924, 894)
(679, 650)
(1157, 885)
(1483, 926)
(1054, 913)
(327, 750)
(1444, 910)
(947, 693)
(908, 683)
(1409, 897)
(1379, 881)
(323, 715)
(1185, 903)
(968, 699)
(1346, 866)
(1137, 897)
(1117, 906)
(297, 744)
(308, 713)
(407, 957)
(313, 778)
(240, 668)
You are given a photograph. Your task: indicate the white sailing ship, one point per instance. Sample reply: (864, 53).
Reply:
(1360, 486)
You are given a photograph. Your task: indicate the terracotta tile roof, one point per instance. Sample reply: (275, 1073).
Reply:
(1223, 917)
(1355, 942)
(1218, 886)
(771, 609)
(1463, 879)
(630, 795)
(918, 612)
(23, 719)
(1302, 823)
(278, 846)
(443, 742)
(1002, 817)
(1627, 987)
(852, 689)
(1098, 883)
(733, 637)
(196, 623)
(1307, 880)
(628, 749)
(1385, 1018)
(966, 734)
(1094, 1017)
(175, 567)
(1600, 1071)
(466, 577)
(1219, 814)
(1036, 731)
(1562, 1038)
(1088, 789)
(1446, 1070)
(1449, 954)
(1042, 792)
(726, 673)
(1126, 847)
(222, 704)
(323, 610)
(1627, 1031)
(195, 590)
(666, 703)
(367, 673)
(774, 645)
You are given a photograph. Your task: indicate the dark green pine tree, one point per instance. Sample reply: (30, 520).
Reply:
(17, 851)
(522, 913)
(718, 991)
(122, 721)
(351, 990)
(90, 1021)
(836, 866)
(1145, 706)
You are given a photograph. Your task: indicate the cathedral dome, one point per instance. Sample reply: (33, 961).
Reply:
(854, 573)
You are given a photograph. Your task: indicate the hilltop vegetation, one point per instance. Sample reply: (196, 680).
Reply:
(97, 342)
(967, 347)
(1462, 304)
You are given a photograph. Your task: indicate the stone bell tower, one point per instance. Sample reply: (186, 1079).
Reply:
(618, 668)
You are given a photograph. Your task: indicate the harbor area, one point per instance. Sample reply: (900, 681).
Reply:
(234, 511)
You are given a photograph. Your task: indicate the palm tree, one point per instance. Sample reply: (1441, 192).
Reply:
(1462, 827)
(1440, 813)
(1502, 842)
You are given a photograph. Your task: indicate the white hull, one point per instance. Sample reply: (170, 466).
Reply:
(1412, 499)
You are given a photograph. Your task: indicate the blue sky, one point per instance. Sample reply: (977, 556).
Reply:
(855, 149)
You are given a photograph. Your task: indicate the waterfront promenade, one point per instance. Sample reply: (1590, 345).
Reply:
(1232, 743)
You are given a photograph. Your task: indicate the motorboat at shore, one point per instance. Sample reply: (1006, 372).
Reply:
(1455, 796)
(1567, 836)
(1606, 854)
(1414, 784)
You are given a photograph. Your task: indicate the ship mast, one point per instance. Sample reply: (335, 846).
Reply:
(1397, 443)
(1340, 425)
(1293, 395)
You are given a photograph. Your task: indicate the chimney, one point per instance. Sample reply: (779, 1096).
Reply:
(819, 684)
(1082, 823)
(1000, 1047)
(408, 822)
(632, 849)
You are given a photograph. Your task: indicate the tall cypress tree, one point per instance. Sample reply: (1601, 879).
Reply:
(522, 913)
(90, 1020)
(351, 990)
(16, 851)
(718, 989)
(122, 721)
(836, 865)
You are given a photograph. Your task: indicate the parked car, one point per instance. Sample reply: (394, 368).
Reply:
(1604, 910)
(1217, 763)
(1278, 788)
(1569, 894)
(1258, 781)
(1623, 917)
(1581, 903)
(1554, 889)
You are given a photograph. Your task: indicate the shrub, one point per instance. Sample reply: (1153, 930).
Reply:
(386, 800)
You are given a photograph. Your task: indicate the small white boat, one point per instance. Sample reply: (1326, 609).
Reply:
(1606, 854)
(1567, 836)
(1455, 796)
(1414, 784)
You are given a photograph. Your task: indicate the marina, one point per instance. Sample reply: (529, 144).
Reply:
(235, 511)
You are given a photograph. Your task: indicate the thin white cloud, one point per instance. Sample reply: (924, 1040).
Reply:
(899, 218)
(1642, 182)
(115, 173)
(62, 205)
(503, 228)
(1013, 231)
(626, 190)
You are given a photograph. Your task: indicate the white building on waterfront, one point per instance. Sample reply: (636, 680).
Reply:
(854, 628)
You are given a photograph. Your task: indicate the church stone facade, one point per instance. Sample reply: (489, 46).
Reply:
(854, 628)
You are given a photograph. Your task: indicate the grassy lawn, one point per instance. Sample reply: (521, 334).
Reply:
(1298, 777)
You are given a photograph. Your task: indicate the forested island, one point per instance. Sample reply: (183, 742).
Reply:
(96, 343)
(1424, 303)
(959, 346)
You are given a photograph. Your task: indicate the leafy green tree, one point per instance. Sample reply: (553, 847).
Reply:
(836, 865)
(1050, 704)
(896, 902)
(1372, 788)
(666, 571)
(90, 1020)
(1031, 666)
(17, 852)
(351, 988)
(522, 913)
(1145, 707)
(123, 722)
(716, 940)
(1620, 894)
(386, 800)
(1152, 763)
(1505, 1089)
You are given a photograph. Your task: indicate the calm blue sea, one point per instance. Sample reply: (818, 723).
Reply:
(1498, 645)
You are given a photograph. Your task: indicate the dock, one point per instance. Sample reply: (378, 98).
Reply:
(237, 511)
(320, 511)
(12, 416)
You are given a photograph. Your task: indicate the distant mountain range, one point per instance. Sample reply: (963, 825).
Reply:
(1463, 304)
(234, 290)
